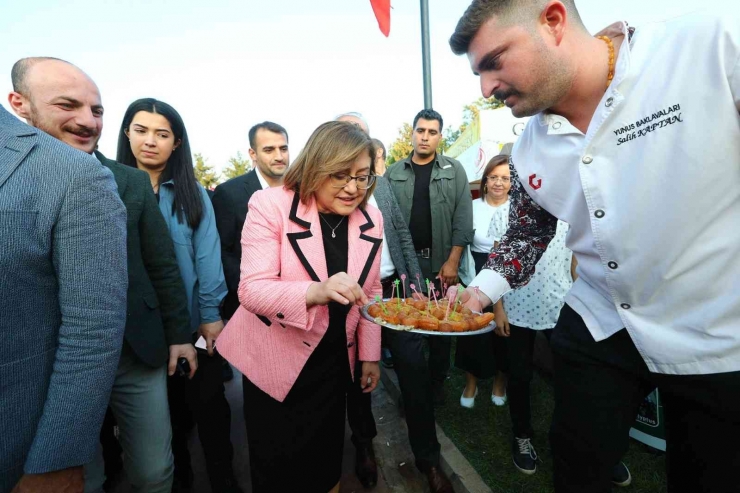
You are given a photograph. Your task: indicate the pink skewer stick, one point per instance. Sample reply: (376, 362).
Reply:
(403, 280)
(413, 288)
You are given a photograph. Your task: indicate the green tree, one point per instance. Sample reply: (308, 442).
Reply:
(238, 165)
(472, 111)
(401, 147)
(204, 172)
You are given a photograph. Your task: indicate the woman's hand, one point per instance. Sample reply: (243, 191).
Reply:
(370, 376)
(502, 321)
(340, 288)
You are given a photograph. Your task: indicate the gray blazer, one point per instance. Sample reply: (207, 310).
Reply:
(63, 284)
(397, 235)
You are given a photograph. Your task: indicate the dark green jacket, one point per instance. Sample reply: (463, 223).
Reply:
(157, 315)
(452, 203)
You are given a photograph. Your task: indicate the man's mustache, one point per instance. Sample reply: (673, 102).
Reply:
(502, 95)
(82, 131)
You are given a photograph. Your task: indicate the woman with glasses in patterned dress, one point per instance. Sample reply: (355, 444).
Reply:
(310, 260)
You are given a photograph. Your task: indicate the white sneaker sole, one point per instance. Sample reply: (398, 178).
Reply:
(625, 483)
(525, 471)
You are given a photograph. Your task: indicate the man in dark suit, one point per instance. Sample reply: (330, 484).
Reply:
(63, 304)
(60, 99)
(268, 148)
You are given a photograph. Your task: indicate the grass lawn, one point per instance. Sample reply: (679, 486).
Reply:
(483, 435)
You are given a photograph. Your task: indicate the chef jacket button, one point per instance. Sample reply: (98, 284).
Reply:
(626, 306)
(609, 101)
(599, 213)
(612, 265)
(280, 315)
(556, 125)
(587, 159)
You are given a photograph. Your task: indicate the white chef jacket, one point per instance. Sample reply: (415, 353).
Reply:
(652, 196)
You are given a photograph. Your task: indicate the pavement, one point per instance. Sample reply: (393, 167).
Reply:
(396, 470)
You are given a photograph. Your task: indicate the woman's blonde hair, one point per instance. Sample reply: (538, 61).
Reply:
(332, 148)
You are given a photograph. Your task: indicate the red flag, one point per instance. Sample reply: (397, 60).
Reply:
(382, 9)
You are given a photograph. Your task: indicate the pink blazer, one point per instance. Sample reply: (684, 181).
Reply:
(272, 333)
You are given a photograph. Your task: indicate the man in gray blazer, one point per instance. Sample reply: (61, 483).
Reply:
(63, 282)
(60, 99)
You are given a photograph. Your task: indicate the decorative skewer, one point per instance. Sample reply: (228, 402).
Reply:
(429, 295)
(403, 279)
(382, 305)
(451, 299)
(460, 289)
(398, 292)
(434, 293)
(413, 288)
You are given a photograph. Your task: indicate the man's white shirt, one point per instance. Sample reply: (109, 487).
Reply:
(263, 182)
(652, 196)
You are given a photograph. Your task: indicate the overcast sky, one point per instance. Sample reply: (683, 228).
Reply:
(228, 64)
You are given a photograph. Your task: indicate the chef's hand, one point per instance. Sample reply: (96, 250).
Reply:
(470, 298)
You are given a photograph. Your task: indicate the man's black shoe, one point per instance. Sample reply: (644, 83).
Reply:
(524, 455)
(438, 482)
(621, 475)
(438, 393)
(366, 468)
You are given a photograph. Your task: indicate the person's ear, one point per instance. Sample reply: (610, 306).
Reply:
(20, 104)
(553, 19)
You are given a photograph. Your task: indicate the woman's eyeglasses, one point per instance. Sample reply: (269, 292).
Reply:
(341, 180)
(500, 179)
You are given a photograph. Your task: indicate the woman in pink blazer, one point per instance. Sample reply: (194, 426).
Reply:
(310, 260)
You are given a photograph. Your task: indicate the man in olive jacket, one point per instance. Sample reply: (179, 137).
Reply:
(434, 196)
(158, 324)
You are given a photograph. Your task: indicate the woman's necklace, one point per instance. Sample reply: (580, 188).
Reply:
(333, 235)
(612, 61)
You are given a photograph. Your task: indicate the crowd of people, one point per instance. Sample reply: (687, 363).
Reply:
(129, 290)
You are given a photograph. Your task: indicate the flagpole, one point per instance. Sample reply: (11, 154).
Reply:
(425, 54)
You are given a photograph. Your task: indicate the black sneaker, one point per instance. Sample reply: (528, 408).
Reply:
(621, 475)
(525, 458)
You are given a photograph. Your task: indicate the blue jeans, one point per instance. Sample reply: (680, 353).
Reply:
(139, 403)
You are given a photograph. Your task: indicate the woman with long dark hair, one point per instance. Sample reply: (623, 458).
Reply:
(153, 138)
